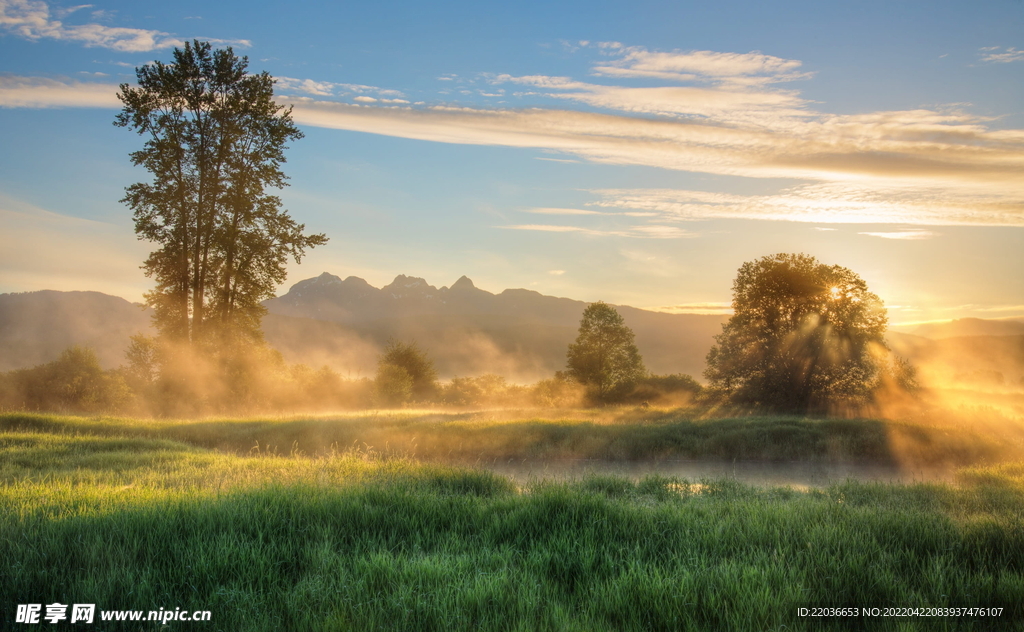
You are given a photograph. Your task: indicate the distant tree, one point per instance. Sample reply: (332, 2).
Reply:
(414, 362)
(804, 336)
(604, 357)
(142, 361)
(483, 390)
(215, 145)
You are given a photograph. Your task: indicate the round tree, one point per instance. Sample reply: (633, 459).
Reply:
(805, 336)
(400, 363)
(604, 357)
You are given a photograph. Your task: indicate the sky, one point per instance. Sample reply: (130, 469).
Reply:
(637, 153)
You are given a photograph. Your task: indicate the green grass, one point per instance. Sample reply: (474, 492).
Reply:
(119, 514)
(595, 434)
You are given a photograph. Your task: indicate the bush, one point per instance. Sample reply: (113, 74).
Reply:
(485, 390)
(74, 382)
(666, 390)
(558, 392)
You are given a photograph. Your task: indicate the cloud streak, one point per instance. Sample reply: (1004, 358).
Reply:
(903, 234)
(735, 69)
(639, 232)
(37, 92)
(696, 308)
(32, 20)
(909, 167)
(999, 55)
(829, 203)
(332, 89)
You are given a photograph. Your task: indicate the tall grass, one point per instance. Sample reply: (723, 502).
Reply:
(351, 540)
(596, 434)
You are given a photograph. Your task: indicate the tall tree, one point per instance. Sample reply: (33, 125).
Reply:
(215, 145)
(804, 336)
(604, 357)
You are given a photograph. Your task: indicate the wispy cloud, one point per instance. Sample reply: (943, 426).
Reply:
(548, 228)
(695, 308)
(903, 234)
(835, 203)
(740, 106)
(918, 144)
(736, 69)
(639, 232)
(940, 166)
(562, 211)
(36, 92)
(31, 19)
(333, 89)
(565, 160)
(556, 272)
(1001, 55)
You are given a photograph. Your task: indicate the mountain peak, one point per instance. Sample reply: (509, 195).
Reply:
(409, 287)
(464, 283)
(406, 282)
(327, 279)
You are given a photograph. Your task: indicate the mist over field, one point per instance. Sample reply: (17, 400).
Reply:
(517, 335)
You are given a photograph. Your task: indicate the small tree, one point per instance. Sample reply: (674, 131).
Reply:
(804, 336)
(604, 357)
(417, 367)
(142, 369)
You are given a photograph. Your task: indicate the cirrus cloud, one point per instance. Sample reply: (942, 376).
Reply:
(936, 166)
(31, 19)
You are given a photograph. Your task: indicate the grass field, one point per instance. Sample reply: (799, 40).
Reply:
(141, 515)
(582, 434)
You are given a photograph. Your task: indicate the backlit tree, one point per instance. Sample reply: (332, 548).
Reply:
(214, 147)
(804, 336)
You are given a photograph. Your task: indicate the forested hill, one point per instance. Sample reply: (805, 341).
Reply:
(36, 326)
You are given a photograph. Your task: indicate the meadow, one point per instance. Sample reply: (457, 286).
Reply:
(360, 521)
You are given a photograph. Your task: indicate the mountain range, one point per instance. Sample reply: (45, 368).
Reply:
(520, 334)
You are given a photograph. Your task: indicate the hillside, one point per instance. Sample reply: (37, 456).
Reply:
(962, 327)
(36, 326)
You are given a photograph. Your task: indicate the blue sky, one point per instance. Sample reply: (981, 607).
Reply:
(635, 154)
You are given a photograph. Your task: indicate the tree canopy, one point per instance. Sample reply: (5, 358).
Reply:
(604, 357)
(804, 336)
(215, 145)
